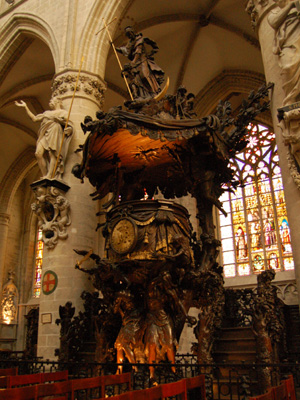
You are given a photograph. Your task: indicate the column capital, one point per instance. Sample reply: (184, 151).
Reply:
(257, 9)
(4, 219)
(90, 86)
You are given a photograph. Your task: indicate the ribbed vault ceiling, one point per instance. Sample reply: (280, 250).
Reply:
(206, 45)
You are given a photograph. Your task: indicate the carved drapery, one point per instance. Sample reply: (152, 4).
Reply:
(53, 212)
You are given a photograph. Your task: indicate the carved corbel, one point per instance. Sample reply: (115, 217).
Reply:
(52, 209)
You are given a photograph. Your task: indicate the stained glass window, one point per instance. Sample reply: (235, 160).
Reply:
(255, 234)
(38, 264)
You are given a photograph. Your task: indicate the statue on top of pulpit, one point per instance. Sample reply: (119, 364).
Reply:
(144, 75)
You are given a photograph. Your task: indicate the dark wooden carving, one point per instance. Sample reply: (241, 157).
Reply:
(268, 328)
(155, 268)
(209, 297)
(31, 333)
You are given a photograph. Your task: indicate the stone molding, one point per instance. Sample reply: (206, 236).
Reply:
(14, 176)
(285, 290)
(4, 219)
(227, 82)
(89, 86)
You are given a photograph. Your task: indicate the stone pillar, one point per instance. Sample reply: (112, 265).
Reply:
(81, 233)
(4, 222)
(262, 13)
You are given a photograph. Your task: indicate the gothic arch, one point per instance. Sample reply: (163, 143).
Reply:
(13, 178)
(89, 39)
(12, 39)
(227, 82)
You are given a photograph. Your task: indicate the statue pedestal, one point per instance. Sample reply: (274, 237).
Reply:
(45, 182)
(52, 209)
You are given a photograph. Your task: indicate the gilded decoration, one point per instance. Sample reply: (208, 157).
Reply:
(10, 300)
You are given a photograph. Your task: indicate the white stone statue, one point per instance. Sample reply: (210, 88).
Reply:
(50, 138)
(290, 126)
(286, 23)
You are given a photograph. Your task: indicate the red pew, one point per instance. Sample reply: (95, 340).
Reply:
(8, 371)
(22, 393)
(31, 379)
(196, 387)
(280, 392)
(290, 388)
(99, 382)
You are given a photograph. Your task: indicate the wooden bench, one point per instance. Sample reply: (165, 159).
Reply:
(290, 388)
(100, 383)
(156, 393)
(32, 379)
(67, 389)
(279, 392)
(22, 393)
(8, 371)
(196, 387)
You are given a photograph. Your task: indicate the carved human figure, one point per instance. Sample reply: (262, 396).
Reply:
(144, 74)
(129, 340)
(285, 236)
(9, 301)
(240, 241)
(269, 234)
(159, 336)
(286, 23)
(50, 138)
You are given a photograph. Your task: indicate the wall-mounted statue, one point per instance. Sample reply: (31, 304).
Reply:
(53, 138)
(286, 23)
(290, 126)
(9, 303)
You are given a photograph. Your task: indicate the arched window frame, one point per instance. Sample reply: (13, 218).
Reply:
(255, 235)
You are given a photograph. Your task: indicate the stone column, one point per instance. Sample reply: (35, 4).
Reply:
(81, 232)
(4, 222)
(273, 37)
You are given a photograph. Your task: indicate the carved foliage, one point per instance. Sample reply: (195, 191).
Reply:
(88, 85)
(53, 212)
